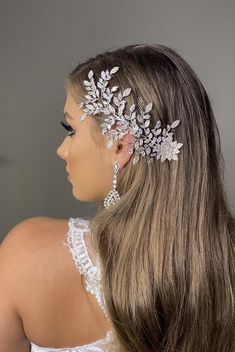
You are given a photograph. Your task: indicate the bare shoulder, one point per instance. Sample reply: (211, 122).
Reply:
(32, 253)
(20, 269)
(32, 238)
(35, 228)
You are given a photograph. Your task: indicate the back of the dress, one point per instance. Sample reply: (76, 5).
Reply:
(76, 242)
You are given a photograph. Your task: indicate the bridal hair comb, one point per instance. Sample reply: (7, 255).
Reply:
(148, 142)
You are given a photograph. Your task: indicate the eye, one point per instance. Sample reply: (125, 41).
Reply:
(68, 128)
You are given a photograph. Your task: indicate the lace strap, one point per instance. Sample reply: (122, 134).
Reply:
(77, 246)
(76, 242)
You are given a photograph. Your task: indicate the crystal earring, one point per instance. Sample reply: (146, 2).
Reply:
(113, 195)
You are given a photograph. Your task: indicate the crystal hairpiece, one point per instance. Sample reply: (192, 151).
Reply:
(147, 142)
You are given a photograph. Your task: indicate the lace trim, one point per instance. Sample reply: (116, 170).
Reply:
(91, 347)
(76, 241)
(78, 248)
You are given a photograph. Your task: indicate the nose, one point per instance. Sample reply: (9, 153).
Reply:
(62, 150)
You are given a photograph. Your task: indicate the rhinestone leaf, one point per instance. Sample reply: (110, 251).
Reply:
(136, 159)
(90, 74)
(116, 101)
(83, 117)
(110, 144)
(158, 124)
(103, 75)
(175, 123)
(120, 96)
(126, 92)
(149, 107)
(132, 108)
(114, 70)
(113, 89)
(147, 123)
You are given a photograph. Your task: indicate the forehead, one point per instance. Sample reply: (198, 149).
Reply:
(71, 105)
(72, 111)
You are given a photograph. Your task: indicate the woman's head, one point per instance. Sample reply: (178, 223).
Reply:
(166, 246)
(155, 74)
(88, 161)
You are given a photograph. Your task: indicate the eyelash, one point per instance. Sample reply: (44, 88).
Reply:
(68, 128)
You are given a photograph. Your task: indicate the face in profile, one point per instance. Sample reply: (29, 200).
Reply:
(87, 160)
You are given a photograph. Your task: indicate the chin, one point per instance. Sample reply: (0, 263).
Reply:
(75, 194)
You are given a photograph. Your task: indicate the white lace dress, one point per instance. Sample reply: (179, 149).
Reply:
(91, 271)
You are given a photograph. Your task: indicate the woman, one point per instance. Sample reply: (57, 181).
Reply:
(156, 262)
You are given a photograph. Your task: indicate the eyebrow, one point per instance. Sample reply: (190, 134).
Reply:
(66, 115)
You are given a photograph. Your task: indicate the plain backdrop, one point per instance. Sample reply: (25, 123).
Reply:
(41, 41)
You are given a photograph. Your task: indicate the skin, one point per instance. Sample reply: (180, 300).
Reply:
(25, 318)
(88, 161)
(30, 293)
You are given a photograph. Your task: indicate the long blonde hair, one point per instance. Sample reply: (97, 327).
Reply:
(167, 248)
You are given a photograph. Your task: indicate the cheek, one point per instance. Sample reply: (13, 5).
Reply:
(89, 175)
(82, 158)
(89, 166)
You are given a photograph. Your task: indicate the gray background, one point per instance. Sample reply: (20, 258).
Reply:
(41, 41)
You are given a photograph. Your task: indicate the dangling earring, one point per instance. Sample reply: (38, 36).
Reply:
(113, 195)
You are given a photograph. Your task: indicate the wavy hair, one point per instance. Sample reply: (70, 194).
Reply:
(167, 248)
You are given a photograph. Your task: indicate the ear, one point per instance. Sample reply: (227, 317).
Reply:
(120, 150)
